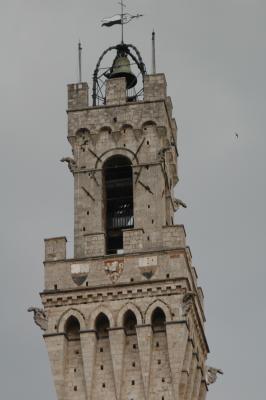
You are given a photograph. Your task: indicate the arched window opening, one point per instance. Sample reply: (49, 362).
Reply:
(130, 323)
(102, 324)
(72, 328)
(158, 320)
(118, 201)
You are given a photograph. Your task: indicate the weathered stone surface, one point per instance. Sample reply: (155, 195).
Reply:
(122, 326)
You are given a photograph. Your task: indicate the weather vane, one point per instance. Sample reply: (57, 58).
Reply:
(120, 19)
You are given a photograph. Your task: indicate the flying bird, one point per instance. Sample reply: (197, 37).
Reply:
(236, 135)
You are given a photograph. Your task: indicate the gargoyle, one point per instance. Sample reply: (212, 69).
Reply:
(211, 375)
(178, 203)
(70, 162)
(187, 303)
(39, 317)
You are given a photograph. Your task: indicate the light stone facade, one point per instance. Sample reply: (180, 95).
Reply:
(156, 359)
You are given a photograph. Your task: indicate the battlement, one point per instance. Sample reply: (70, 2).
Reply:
(78, 95)
(155, 88)
(55, 248)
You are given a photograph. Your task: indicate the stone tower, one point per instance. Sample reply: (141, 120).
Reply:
(124, 319)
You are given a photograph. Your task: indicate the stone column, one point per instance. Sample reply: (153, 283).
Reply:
(88, 343)
(197, 383)
(185, 370)
(56, 347)
(203, 390)
(117, 339)
(145, 335)
(192, 373)
(177, 336)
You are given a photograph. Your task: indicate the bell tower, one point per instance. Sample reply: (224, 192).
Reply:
(124, 319)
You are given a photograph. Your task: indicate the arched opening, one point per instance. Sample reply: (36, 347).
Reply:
(118, 201)
(158, 320)
(101, 325)
(72, 328)
(130, 323)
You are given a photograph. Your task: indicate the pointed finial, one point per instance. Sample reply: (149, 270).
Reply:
(153, 53)
(79, 54)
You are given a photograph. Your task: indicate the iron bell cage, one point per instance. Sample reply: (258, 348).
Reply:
(127, 57)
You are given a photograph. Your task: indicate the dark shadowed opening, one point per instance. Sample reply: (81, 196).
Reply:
(130, 323)
(72, 328)
(118, 201)
(101, 325)
(158, 320)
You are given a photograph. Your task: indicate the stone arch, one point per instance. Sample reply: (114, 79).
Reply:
(106, 128)
(81, 135)
(82, 131)
(157, 304)
(146, 124)
(101, 310)
(68, 314)
(124, 309)
(117, 151)
(125, 127)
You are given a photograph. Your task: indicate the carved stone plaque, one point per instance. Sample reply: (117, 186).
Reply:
(148, 266)
(114, 269)
(79, 273)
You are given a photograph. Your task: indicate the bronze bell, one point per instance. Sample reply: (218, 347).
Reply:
(121, 68)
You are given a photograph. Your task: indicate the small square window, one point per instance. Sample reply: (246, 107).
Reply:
(157, 344)
(133, 364)
(159, 362)
(75, 388)
(163, 380)
(101, 350)
(101, 367)
(134, 346)
(103, 385)
(132, 383)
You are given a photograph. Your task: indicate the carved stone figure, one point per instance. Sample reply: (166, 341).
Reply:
(70, 162)
(187, 303)
(39, 317)
(178, 203)
(211, 375)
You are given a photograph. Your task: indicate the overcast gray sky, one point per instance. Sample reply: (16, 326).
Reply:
(213, 53)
